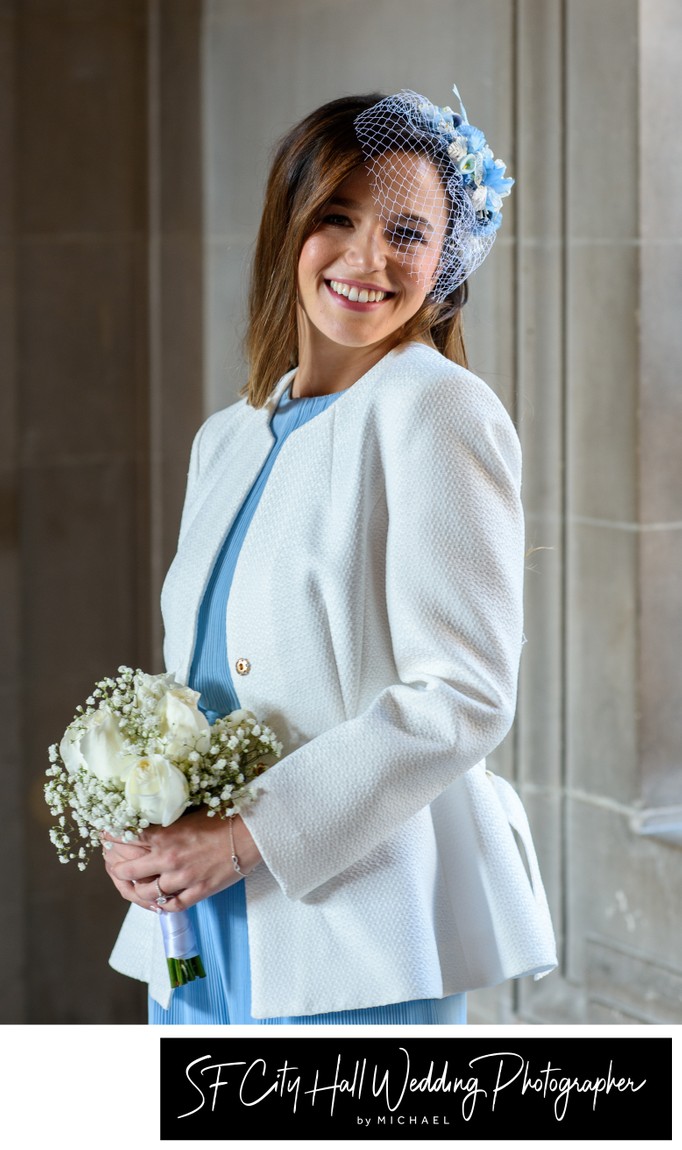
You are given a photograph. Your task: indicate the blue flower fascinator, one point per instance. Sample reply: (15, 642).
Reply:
(462, 210)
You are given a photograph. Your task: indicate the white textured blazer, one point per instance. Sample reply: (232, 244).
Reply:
(378, 601)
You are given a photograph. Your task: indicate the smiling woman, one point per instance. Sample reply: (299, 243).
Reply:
(310, 168)
(356, 290)
(352, 550)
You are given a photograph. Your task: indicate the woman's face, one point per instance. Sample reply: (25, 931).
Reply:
(362, 275)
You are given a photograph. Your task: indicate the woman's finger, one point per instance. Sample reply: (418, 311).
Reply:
(129, 891)
(140, 870)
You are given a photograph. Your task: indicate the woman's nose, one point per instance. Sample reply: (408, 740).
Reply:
(367, 248)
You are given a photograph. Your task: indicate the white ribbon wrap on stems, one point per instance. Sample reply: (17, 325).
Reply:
(145, 944)
(178, 934)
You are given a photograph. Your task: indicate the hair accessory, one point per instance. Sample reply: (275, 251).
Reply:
(461, 211)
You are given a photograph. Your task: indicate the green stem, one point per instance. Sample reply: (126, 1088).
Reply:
(184, 970)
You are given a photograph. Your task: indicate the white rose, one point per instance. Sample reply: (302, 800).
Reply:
(181, 722)
(157, 790)
(96, 745)
(150, 688)
(239, 715)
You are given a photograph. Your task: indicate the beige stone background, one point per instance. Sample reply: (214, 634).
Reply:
(134, 140)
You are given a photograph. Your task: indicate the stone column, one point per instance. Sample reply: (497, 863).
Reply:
(100, 282)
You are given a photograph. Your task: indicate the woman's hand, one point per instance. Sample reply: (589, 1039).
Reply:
(190, 860)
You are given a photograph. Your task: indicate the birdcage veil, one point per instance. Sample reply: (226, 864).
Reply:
(403, 138)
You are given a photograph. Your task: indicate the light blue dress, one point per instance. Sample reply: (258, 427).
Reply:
(224, 996)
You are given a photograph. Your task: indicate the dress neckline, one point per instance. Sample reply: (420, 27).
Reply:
(287, 399)
(351, 393)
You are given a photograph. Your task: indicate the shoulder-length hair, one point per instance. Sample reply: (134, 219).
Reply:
(310, 163)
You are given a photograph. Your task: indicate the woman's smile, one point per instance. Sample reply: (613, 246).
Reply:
(356, 294)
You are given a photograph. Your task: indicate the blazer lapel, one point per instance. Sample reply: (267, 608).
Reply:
(238, 465)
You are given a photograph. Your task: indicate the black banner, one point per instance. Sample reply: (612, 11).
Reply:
(613, 1089)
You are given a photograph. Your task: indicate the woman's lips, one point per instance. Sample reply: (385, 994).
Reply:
(356, 296)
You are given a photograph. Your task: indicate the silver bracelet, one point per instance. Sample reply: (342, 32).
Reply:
(235, 856)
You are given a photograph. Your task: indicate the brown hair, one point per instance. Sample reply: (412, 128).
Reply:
(311, 161)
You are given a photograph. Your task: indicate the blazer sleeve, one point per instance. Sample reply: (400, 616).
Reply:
(454, 585)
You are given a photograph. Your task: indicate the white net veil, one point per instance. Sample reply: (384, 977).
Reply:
(436, 185)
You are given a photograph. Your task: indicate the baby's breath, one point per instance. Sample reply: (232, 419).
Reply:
(85, 805)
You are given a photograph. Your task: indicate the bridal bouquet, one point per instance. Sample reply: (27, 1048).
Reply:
(140, 752)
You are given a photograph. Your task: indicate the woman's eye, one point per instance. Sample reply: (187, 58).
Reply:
(406, 235)
(336, 220)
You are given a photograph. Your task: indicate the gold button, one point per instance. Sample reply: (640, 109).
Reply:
(243, 666)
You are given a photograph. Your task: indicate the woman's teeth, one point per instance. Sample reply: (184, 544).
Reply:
(357, 295)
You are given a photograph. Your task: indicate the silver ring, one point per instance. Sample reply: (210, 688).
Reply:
(163, 898)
